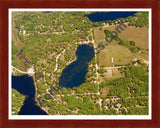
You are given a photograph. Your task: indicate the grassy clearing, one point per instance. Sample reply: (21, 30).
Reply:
(17, 41)
(115, 74)
(105, 91)
(99, 35)
(139, 35)
(121, 55)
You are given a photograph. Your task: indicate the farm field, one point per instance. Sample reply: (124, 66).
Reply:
(110, 75)
(130, 33)
(122, 55)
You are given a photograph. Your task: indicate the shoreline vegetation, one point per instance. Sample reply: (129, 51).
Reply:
(17, 101)
(100, 94)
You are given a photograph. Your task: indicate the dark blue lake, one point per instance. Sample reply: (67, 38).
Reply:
(25, 86)
(74, 74)
(104, 16)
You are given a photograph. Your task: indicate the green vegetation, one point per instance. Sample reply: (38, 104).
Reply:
(87, 87)
(108, 33)
(17, 101)
(130, 45)
(51, 33)
(15, 59)
(141, 19)
(128, 91)
(101, 70)
(49, 41)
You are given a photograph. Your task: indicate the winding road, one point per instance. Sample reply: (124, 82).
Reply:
(57, 60)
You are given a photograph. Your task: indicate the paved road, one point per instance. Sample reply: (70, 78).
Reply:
(30, 70)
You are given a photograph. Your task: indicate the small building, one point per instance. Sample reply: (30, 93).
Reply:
(119, 105)
(31, 71)
(112, 59)
(107, 101)
(106, 107)
(24, 32)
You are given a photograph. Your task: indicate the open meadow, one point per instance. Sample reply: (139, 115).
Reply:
(130, 33)
(122, 55)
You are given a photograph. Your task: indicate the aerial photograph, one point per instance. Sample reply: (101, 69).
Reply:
(79, 62)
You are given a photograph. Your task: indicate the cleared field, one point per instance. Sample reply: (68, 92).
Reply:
(120, 54)
(130, 33)
(139, 35)
(115, 73)
(105, 91)
(99, 35)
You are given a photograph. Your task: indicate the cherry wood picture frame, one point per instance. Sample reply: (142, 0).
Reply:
(4, 39)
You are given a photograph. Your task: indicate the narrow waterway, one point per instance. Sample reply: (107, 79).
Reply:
(25, 86)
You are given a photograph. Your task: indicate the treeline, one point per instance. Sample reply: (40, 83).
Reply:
(128, 44)
(87, 87)
(140, 19)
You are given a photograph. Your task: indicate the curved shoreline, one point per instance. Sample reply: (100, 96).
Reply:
(35, 98)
